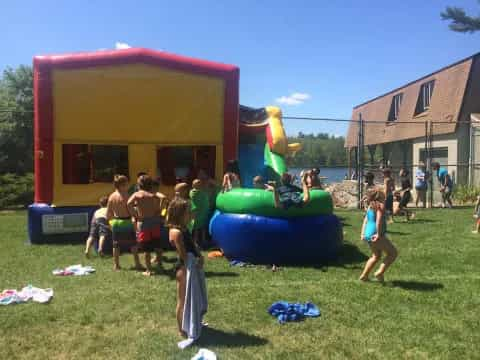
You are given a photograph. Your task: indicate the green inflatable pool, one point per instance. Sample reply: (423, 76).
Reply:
(261, 202)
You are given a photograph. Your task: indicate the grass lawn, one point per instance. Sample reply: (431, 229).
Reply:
(428, 309)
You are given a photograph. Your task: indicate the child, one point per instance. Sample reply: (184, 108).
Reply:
(145, 208)
(200, 205)
(99, 229)
(476, 215)
(374, 230)
(119, 218)
(178, 217)
(389, 188)
(313, 180)
(405, 195)
(369, 184)
(231, 179)
(288, 195)
(163, 204)
(259, 183)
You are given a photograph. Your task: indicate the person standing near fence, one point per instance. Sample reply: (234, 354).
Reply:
(389, 188)
(421, 185)
(446, 184)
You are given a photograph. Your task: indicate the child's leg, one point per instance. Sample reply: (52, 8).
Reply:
(136, 258)
(148, 263)
(88, 245)
(101, 243)
(181, 279)
(371, 262)
(392, 253)
(116, 256)
(158, 256)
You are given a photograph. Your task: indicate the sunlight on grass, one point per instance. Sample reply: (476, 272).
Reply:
(427, 309)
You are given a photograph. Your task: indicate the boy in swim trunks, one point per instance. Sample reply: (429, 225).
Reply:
(145, 208)
(389, 188)
(119, 218)
(163, 243)
(99, 230)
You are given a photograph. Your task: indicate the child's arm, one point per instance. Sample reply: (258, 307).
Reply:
(131, 205)
(306, 191)
(363, 228)
(176, 238)
(110, 213)
(379, 222)
(226, 183)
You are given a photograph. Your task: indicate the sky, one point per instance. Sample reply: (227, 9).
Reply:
(311, 58)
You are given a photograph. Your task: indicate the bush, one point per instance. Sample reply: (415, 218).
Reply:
(16, 190)
(465, 194)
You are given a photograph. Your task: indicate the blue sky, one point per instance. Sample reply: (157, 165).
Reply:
(332, 55)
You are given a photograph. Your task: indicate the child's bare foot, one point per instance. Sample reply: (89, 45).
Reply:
(380, 278)
(475, 232)
(274, 268)
(182, 334)
(116, 268)
(363, 278)
(147, 273)
(412, 216)
(87, 255)
(139, 268)
(101, 253)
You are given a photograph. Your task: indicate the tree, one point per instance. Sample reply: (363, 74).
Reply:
(16, 120)
(460, 21)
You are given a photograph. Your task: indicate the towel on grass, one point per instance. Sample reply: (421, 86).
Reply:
(75, 270)
(285, 311)
(205, 354)
(12, 296)
(196, 302)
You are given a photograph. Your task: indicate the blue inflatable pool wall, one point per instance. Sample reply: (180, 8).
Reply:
(267, 240)
(47, 224)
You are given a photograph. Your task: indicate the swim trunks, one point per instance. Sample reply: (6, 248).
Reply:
(149, 233)
(123, 233)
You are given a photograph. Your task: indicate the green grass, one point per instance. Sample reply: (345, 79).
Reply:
(428, 309)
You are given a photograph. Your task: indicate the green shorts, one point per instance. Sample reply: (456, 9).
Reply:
(123, 233)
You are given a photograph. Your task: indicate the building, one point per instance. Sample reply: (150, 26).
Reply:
(433, 112)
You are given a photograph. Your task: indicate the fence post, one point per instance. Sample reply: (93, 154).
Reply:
(470, 155)
(360, 144)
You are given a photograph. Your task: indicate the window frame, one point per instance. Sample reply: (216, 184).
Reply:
(424, 100)
(395, 106)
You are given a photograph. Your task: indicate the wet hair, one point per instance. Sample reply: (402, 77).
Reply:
(145, 183)
(369, 176)
(141, 173)
(375, 195)
(176, 212)
(258, 180)
(155, 183)
(232, 166)
(119, 180)
(286, 178)
(103, 201)
(387, 172)
(315, 171)
(196, 183)
(180, 187)
(405, 172)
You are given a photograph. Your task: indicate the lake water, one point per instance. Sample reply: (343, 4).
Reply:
(331, 174)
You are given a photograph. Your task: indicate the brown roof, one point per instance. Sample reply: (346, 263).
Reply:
(445, 106)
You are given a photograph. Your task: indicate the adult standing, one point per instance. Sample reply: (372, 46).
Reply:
(421, 185)
(446, 184)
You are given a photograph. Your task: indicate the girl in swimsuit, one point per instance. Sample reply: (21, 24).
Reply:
(178, 216)
(374, 232)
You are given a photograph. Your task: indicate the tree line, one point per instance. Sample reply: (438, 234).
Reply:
(319, 150)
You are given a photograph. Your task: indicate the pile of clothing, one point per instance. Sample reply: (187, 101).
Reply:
(9, 296)
(74, 270)
(285, 311)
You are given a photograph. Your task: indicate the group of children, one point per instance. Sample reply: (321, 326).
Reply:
(133, 218)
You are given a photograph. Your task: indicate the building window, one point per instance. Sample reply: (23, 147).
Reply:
(395, 107)
(184, 163)
(423, 102)
(438, 154)
(85, 164)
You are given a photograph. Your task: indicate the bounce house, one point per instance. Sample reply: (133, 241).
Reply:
(136, 110)
(248, 227)
(123, 111)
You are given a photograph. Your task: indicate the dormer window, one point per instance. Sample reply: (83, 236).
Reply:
(395, 107)
(423, 102)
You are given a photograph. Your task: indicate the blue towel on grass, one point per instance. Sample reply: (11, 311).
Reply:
(285, 311)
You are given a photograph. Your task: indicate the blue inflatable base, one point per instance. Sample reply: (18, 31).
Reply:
(36, 233)
(265, 240)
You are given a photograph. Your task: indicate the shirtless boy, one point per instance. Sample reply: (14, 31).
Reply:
(119, 218)
(144, 206)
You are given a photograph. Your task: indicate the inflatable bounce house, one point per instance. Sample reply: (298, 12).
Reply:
(123, 111)
(248, 227)
(136, 110)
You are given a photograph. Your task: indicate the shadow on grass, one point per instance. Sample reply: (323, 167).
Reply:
(219, 338)
(421, 221)
(343, 221)
(397, 232)
(349, 254)
(416, 285)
